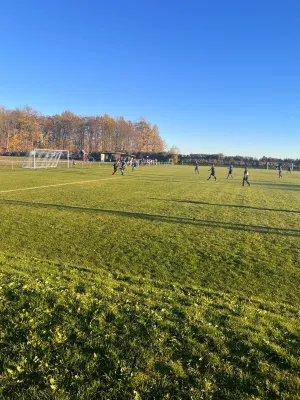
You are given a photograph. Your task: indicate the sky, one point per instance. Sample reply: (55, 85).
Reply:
(216, 76)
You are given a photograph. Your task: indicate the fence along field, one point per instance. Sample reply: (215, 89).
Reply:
(156, 284)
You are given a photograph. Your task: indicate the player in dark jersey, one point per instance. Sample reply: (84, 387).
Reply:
(197, 168)
(122, 168)
(246, 176)
(134, 165)
(230, 172)
(212, 172)
(115, 166)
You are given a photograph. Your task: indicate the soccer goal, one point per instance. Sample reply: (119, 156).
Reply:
(45, 158)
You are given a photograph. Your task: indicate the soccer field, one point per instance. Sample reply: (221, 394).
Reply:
(161, 222)
(213, 265)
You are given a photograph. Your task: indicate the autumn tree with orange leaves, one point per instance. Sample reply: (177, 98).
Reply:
(24, 129)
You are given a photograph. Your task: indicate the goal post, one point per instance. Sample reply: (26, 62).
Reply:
(44, 158)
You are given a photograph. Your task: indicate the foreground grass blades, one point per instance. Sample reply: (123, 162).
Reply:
(72, 333)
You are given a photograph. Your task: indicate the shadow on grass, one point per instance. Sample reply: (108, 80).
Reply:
(190, 180)
(229, 205)
(281, 185)
(162, 218)
(145, 179)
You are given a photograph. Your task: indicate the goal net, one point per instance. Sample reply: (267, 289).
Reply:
(45, 158)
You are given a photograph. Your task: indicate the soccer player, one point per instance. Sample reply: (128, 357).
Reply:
(115, 165)
(212, 172)
(280, 171)
(134, 165)
(246, 176)
(230, 172)
(197, 167)
(122, 168)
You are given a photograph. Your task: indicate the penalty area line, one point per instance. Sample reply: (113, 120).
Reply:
(56, 185)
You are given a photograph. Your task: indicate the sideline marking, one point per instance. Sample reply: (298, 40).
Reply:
(58, 184)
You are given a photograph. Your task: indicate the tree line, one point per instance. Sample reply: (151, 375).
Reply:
(24, 129)
(222, 159)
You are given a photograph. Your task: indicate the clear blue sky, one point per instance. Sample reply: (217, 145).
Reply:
(214, 75)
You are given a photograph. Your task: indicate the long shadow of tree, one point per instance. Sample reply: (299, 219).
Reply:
(163, 218)
(230, 205)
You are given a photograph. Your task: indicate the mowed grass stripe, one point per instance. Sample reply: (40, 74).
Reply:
(158, 217)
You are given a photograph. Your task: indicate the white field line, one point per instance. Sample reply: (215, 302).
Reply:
(56, 185)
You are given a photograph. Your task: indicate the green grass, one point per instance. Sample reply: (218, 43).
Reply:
(156, 285)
